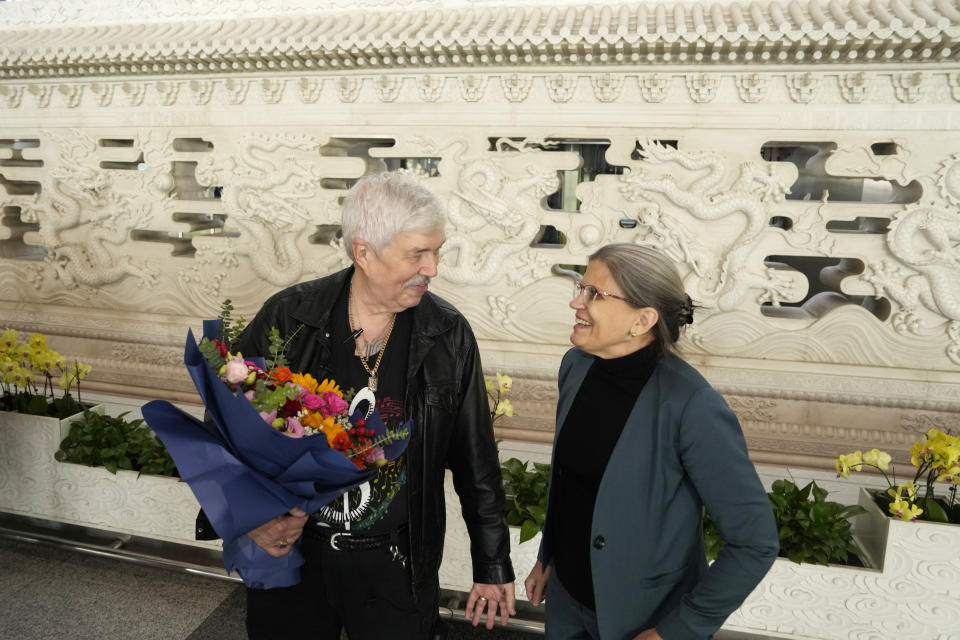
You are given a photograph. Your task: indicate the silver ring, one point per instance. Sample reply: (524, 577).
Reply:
(481, 598)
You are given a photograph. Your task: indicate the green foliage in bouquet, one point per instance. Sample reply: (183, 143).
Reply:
(812, 530)
(115, 443)
(526, 495)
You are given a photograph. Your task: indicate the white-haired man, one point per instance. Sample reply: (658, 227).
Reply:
(373, 555)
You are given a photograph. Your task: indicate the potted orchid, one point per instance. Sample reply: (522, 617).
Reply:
(27, 373)
(936, 460)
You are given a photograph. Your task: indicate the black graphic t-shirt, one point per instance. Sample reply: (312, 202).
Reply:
(380, 504)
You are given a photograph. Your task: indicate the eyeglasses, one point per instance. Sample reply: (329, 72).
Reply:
(590, 293)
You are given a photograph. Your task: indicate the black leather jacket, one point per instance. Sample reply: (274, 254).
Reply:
(447, 400)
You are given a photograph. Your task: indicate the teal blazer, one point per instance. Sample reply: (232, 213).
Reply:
(681, 450)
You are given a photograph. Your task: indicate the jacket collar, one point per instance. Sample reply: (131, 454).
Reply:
(430, 317)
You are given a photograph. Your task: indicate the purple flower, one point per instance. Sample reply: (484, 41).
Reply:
(269, 417)
(375, 456)
(294, 429)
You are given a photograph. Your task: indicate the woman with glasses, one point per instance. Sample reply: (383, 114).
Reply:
(643, 444)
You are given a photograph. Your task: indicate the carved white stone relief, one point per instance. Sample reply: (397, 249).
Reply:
(270, 178)
(236, 90)
(272, 89)
(607, 87)
(697, 183)
(41, 93)
(516, 86)
(83, 219)
(502, 193)
(348, 88)
(430, 87)
(948, 180)
(953, 79)
(472, 86)
(654, 87)
(855, 87)
(104, 92)
(387, 87)
(926, 274)
(561, 86)
(702, 86)
(13, 94)
(803, 87)
(169, 91)
(200, 91)
(72, 94)
(908, 86)
(752, 87)
(135, 92)
(309, 89)
(860, 160)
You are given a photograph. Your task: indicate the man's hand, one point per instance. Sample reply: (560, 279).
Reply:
(277, 536)
(536, 583)
(649, 634)
(491, 596)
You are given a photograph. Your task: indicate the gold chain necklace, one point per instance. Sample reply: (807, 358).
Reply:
(372, 379)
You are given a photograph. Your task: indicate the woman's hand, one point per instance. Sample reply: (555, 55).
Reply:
(536, 583)
(277, 536)
(649, 634)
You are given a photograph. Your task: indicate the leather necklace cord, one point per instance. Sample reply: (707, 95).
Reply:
(372, 379)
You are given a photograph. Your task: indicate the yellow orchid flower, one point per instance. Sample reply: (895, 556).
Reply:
(903, 510)
(489, 384)
(504, 408)
(8, 339)
(850, 462)
(504, 383)
(877, 458)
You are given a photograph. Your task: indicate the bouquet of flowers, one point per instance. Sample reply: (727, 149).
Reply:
(274, 440)
(937, 459)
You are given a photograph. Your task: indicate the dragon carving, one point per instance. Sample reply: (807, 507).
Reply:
(266, 181)
(80, 216)
(488, 196)
(715, 280)
(924, 239)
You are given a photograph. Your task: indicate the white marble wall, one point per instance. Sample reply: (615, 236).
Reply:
(799, 161)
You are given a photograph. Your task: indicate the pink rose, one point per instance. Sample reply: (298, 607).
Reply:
(236, 371)
(312, 401)
(294, 429)
(334, 402)
(269, 417)
(375, 455)
(249, 395)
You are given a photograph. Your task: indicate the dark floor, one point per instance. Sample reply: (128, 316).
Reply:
(48, 592)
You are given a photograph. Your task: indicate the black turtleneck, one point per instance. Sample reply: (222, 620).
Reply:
(584, 445)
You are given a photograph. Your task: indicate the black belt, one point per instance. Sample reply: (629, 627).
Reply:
(348, 541)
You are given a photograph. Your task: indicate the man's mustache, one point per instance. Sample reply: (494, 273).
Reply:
(416, 281)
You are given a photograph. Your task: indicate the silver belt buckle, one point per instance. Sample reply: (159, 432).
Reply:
(333, 540)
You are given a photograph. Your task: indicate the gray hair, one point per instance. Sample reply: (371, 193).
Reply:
(649, 279)
(381, 205)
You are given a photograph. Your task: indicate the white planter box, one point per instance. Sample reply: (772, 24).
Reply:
(33, 483)
(456, 570)
(914, 594)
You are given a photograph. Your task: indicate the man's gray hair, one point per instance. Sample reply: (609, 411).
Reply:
(650, 279)
(381, 205)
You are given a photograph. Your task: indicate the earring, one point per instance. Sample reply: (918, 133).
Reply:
(633, 334)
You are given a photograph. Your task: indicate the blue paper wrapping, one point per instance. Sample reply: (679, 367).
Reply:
(244, 473)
